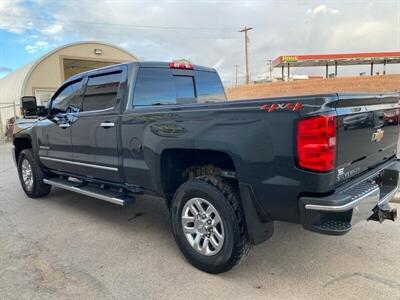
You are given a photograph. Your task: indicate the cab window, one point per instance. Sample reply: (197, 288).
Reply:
(101, 91)
(67, 99)
(184, 87)
(209, 87)
(160, 86)
(154, 86)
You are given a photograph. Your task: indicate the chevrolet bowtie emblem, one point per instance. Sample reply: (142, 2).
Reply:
(378, 135)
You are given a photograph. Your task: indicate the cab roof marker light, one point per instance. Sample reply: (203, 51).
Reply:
(181, 65)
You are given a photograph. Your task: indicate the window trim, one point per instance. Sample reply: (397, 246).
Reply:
(89, 112)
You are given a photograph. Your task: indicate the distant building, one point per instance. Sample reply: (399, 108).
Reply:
(42, 77)
(335, 60)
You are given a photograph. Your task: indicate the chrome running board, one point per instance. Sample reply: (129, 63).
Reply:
(91, 191)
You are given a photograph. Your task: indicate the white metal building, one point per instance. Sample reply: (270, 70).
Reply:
(43, 76)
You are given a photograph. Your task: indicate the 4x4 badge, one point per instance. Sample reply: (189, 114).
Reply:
(378, 135)
(282, 106)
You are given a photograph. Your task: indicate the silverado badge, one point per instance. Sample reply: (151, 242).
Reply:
(378, 135)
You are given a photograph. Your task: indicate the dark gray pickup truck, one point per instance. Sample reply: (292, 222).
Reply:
(226, 170)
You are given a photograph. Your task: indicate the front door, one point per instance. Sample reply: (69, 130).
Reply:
(55, 149)
(94, 136)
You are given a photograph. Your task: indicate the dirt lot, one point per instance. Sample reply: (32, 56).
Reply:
(68, 246)
(376, 84)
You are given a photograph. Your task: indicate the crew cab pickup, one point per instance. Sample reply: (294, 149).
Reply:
(226, 169)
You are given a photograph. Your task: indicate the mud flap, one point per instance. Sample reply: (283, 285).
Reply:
(260, 226)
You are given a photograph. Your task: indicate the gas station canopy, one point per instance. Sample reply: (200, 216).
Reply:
(342, 59)
(314, 60)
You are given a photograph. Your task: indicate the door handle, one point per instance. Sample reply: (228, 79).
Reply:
(107, 124)
(64, 125)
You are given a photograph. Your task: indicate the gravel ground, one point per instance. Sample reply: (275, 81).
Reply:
(68, 246)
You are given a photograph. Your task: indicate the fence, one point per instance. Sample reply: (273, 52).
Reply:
(7, 111)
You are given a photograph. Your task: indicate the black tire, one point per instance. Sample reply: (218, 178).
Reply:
(225, 199)
(38, 188)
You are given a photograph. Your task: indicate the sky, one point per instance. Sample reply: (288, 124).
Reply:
(203, 31)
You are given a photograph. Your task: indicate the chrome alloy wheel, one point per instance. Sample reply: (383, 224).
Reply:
(202, 226)
(27, 175)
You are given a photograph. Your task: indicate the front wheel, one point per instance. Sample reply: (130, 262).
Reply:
(31, 175)
(208, 224)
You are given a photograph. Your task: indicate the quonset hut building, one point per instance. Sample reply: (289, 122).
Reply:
(43, 76)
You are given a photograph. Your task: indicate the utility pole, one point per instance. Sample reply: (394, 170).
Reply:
(236, 74)
(246, 41)
(270, 68)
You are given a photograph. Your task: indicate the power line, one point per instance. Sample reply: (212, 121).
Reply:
(143, 27)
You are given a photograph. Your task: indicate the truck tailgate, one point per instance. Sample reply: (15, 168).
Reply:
(367, 132)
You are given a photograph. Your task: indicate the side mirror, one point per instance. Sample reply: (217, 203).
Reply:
(29, 106)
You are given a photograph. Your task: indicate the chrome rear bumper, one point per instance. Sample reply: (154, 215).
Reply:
(355, 202)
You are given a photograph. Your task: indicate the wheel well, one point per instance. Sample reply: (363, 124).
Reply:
(21, 144)
(177, 166)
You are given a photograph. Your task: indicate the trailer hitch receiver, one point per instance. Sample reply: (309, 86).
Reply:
(383, 212)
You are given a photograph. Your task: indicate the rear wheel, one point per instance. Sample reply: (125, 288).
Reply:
(31, 175)
(208, 225)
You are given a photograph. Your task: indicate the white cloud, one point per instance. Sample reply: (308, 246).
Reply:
(12, 17)
(207, 31)
(39, 45)
(371, 28)
(52, 29)
(322, 10)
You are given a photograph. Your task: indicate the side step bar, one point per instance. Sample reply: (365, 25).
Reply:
(91, 191)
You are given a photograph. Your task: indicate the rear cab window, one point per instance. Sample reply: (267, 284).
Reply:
(184, 89)
(165, 86)
(209, 87)
(154, 86)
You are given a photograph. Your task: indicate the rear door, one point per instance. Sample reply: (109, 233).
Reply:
(154, 89)
(159, 96)
(157, 92)
(94, 136)
(368, 132)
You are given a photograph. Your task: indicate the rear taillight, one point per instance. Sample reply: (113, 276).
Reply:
(316, 143)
